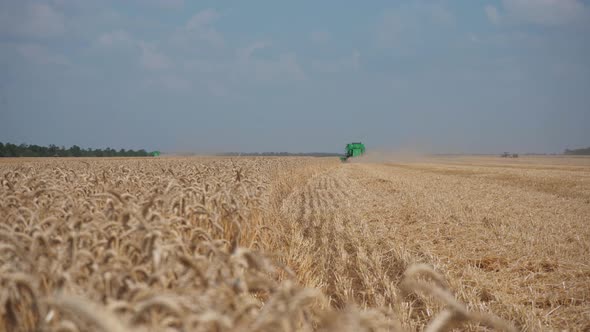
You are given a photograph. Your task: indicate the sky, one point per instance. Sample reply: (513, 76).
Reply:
(457, 76)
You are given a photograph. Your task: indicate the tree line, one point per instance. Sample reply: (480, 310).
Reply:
(26, 150)
(579, 152)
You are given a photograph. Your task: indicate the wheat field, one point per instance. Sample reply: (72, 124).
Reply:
(295, 244)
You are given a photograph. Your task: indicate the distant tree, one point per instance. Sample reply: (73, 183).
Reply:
(34, 150)
(578, 152)
(63, 152)
(76, 151)
(52, 150)
(21, 150)
(26, 150)
(11, 150)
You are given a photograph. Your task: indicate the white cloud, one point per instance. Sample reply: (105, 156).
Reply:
(348, 63)
(492, 14)
(169, 82)
(474, 38)
(200, 26)
(319, 37)
(246, 52)
(547, 12)
(216, 89)
(403, 27)
(284, 67)
(43, 20)
(40, 55)
(176, 83)
(206, 67)
(202, 19)
(152, 59)
(391, 29)
(439, 14)
(36, 20)
(113, 38)
(170, 4)
(163, 4)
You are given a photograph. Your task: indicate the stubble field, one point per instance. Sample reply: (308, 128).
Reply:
(295, 244)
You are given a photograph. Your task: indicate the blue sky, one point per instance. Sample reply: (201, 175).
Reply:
(208, 76)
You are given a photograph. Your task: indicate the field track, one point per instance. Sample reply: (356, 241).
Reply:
(512, 238)
(289, 244)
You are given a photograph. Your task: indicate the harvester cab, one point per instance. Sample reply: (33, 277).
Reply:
(353, 150)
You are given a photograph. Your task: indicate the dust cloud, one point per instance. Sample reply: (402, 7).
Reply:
(392, 156)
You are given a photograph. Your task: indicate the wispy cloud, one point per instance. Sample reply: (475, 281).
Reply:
(390, 29)
(42, 20)
(492, 14)
(319, 37)
(245, 53)
(200, 26)
(439, 13)
(117, 37)
(176, 83)
(409, 21)
(41, 55)
(151, 58)
(172, 4)
(345, 64)
(32, 20)
(283, 67)
(547, 12)
(169, 83)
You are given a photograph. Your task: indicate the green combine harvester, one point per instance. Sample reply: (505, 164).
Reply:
(353, 150)
(155, 153)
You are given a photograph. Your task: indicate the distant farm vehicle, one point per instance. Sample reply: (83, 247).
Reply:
(509, 155)
(353, 150)
(155, 153)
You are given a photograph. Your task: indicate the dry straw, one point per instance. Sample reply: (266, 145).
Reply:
(205, 244)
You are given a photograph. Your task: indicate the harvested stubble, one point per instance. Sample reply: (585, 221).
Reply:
(194, 245)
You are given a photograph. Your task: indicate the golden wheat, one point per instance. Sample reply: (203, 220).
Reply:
(219, 244)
